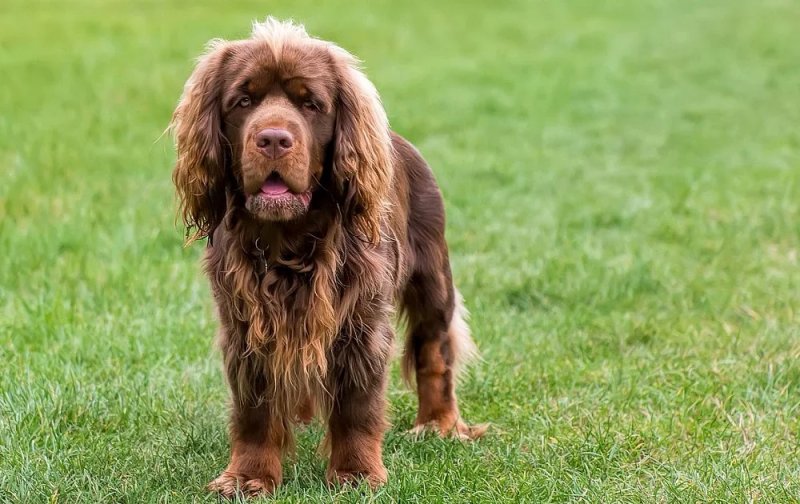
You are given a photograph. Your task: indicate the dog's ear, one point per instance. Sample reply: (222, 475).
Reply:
(362, 150)
(202, 149)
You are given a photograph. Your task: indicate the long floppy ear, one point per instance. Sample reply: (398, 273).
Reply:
(362, 153)
(202, 150)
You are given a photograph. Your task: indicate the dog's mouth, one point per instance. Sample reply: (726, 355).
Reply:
(276, 201)
(274, 187)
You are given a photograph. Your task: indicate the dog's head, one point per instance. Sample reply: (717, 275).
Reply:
(271, 121)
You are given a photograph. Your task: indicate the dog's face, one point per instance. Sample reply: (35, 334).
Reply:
(279, 118)
(264, 123)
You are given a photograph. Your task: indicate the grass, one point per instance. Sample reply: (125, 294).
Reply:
(623, 190)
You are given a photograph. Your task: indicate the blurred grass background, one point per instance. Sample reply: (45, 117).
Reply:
(622, 186)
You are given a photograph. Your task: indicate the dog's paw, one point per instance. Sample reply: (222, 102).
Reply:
(374, 478)
(457, 430)
(229, 485)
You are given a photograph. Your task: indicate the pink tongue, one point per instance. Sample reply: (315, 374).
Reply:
(274, 187)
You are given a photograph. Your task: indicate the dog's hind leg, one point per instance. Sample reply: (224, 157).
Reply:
(438, 344)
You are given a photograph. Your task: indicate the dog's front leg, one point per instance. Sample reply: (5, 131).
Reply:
(257, 438)
(358, 410)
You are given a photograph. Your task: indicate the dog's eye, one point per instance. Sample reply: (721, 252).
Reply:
(243, 102)
(310, 105)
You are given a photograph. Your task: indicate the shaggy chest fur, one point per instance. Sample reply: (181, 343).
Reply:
(283, 315)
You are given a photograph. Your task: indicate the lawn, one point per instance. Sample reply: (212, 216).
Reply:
(622, 182)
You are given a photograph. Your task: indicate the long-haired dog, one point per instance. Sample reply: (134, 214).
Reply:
(319, 220)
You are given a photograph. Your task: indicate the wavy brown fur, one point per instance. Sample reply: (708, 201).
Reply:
(305, 282)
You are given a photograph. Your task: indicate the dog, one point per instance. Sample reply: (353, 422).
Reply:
(319, 220)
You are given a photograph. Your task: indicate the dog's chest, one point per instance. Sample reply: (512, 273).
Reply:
(287, 301)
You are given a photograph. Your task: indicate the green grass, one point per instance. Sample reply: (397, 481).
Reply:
(623, 190)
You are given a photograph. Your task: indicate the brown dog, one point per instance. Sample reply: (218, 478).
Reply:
(318, 219)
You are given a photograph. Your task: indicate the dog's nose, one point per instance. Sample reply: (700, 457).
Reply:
(273, 142)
